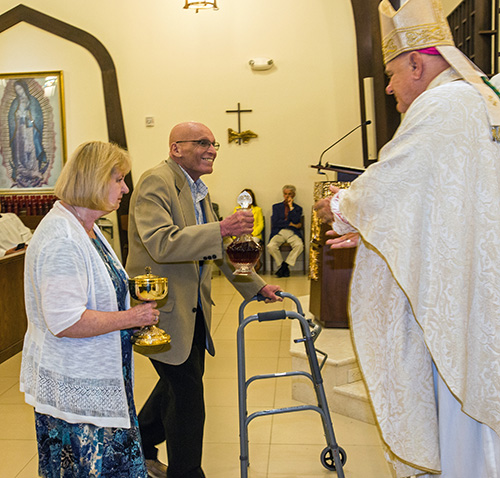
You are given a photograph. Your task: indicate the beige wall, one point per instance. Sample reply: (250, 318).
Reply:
(449, 5)
(176, 65)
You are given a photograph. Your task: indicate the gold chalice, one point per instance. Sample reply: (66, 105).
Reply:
(145, 288)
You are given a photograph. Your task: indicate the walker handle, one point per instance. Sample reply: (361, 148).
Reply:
(272, 315)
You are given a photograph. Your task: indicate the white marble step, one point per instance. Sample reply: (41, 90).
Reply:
(344, 388)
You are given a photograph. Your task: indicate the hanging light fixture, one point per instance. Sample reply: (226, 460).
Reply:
(201, 5)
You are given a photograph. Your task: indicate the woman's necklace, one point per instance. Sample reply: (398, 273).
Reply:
(90, 231)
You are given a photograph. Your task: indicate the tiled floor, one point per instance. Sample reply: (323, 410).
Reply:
(281, 446)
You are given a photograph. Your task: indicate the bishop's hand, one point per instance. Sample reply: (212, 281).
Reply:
(351, 239)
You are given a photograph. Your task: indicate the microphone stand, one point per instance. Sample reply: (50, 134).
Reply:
(319, 165)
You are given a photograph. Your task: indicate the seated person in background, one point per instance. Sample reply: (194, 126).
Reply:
(13, 233)
(286, 227)
(258, 222)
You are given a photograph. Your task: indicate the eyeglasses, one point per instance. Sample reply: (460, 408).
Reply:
(204, 143)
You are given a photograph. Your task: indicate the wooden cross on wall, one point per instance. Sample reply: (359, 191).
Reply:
(239, 135)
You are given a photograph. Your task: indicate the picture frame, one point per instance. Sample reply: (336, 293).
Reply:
(32, 132)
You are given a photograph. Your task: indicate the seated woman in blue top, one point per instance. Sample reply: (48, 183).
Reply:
(77, 357)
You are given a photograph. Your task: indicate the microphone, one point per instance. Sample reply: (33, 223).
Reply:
(364, 123)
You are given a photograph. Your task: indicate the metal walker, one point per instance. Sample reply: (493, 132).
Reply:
(332, 457)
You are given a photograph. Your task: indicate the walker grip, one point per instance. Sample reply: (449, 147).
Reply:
(273, 315)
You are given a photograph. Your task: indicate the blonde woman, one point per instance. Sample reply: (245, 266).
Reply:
(77, 357)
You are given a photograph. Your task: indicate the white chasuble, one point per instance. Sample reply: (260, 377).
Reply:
(426, 284)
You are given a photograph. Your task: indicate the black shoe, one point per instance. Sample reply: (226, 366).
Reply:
(283, 271)
(156, 469)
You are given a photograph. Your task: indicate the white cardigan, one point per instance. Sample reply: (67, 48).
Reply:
(77, 380)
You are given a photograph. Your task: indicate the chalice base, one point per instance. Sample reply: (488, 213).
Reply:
(150, 335)
(243, 269)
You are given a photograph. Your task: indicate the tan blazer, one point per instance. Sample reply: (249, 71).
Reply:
(163, 234)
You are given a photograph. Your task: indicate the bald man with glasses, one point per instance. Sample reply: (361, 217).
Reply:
(174, 230)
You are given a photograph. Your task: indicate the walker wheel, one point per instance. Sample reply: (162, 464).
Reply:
(327, 458)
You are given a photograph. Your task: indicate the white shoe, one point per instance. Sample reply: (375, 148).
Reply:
(156, 469)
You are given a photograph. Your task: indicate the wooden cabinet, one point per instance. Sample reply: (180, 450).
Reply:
(13, 322)
(329, 293)
(31, 221)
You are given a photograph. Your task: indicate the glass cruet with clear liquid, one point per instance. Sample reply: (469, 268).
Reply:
(245, 250)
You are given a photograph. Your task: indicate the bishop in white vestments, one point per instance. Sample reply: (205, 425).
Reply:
(425, 292)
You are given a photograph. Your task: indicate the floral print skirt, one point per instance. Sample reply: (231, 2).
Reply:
(82, 450)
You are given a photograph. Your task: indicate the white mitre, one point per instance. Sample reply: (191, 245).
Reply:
(420, 24)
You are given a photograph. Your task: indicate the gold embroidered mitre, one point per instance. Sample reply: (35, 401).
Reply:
(416, 25)
(420, 24)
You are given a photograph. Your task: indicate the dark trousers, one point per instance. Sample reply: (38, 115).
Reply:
(175, 411)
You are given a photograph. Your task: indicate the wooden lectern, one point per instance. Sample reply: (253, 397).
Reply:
(329, 293)
(329, 270)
